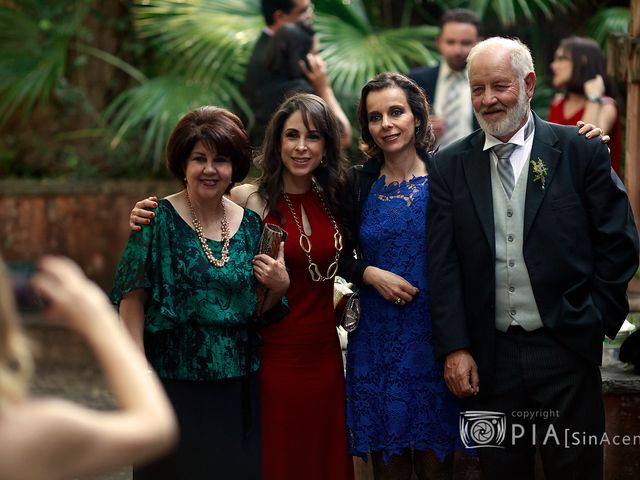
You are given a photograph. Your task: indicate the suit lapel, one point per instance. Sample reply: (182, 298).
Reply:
(477, 171)
(543, 150)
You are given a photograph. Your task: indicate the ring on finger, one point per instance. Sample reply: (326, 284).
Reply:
(398, 301)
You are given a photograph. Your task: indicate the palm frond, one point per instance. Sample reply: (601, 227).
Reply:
(156, 106)
(33, 54)
(201, 37)
(353, 57)
(614, 19)
(352, 12)
(508, 11)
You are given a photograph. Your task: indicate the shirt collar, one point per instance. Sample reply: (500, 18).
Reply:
(448, 73)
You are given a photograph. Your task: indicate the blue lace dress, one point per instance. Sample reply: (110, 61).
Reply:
(396, 395)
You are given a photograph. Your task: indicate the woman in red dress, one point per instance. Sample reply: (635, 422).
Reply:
(302, 380)
(579, 71)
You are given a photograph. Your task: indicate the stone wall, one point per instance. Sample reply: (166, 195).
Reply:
(87, 221)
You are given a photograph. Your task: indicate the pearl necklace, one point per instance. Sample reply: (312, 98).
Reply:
(224, 227)
(305, 241)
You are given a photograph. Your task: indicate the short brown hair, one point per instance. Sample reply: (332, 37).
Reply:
(220, 131)
(460, 15)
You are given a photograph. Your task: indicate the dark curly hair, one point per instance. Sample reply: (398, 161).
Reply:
(220, 130)
(417, 101)
(330, 175)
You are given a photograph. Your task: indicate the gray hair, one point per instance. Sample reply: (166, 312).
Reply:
(519, 53)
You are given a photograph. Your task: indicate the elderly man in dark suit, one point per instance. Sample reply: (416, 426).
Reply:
(531, 246)
(446, 84)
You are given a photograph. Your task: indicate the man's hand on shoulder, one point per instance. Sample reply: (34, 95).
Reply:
(461, 374)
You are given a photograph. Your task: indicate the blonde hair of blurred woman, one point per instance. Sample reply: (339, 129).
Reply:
(16, 364)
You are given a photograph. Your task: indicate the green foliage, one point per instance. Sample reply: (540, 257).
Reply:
(508, 11)
(180, 55)
(202, 48)
(35, 36)
(614, 19)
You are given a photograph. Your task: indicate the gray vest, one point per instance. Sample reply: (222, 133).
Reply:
(514, 296)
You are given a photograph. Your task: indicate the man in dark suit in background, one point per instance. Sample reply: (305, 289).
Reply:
(446, 84)
(276, 13)
(531, 246)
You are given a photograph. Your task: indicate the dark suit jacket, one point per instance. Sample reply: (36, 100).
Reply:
(254, 76)
(427, 78)
(580, 245)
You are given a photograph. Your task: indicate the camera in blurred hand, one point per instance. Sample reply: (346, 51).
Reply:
(27, 300)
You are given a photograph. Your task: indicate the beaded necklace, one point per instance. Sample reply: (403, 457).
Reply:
(224, 227)
(305, 241)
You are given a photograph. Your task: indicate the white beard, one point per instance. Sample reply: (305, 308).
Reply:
(511, 122)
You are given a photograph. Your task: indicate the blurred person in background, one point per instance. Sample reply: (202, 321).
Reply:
(579, 71)
(294, 66)
(276, 13)
(446, 84)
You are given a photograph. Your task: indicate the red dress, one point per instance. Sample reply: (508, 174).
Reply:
(302, 391)
(556, 115)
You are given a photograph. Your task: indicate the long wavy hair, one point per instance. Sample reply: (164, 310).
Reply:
(417, 101)
(16, 364)
(331, 173)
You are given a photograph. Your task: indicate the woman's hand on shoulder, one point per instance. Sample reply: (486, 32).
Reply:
(139, 215)
(589, 130)
(272, 272)
(390, 286)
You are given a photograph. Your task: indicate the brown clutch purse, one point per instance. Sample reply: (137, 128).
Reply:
(269, 244)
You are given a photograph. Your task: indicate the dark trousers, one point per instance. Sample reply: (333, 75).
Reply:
(551, 398)
(215, 440)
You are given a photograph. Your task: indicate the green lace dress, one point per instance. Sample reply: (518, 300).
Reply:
(197, 336)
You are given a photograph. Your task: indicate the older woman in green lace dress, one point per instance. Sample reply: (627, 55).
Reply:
(186, 290)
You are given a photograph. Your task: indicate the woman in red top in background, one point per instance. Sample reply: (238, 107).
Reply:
(579, 70)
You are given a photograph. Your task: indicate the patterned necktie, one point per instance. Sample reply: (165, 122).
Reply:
(503, 151)
(452, 107)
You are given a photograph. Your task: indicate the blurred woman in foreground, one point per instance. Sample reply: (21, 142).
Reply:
(56, 439)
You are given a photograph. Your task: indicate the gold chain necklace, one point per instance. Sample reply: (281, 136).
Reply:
(305, 241)
(224, 227)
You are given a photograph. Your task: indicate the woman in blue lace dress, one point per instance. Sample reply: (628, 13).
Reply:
(398, 406)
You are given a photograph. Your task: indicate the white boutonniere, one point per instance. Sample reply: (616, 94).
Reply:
(539, 172)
